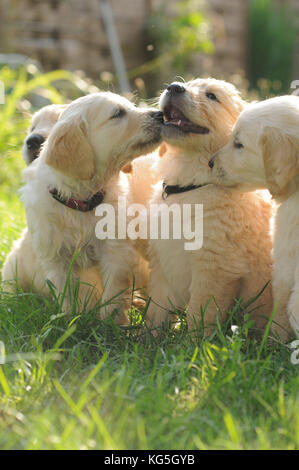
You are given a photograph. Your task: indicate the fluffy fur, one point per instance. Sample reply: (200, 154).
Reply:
(263, 153)
(20, 264)
(94, 138)
(235, 259)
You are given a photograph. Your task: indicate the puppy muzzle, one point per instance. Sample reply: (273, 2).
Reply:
(33, 145)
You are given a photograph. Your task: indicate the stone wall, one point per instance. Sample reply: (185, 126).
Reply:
(70, 34)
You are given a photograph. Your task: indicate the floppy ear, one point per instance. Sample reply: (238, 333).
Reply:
(162, 149)
(68, 150)
(281, 159)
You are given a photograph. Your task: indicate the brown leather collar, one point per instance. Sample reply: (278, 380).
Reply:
(78, 204)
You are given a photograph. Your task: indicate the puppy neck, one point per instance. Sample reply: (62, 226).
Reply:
(184, 167)
(69, 187)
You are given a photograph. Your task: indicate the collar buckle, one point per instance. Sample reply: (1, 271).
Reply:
(164, 193)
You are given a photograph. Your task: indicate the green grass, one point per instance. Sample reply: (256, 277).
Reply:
(80, 383)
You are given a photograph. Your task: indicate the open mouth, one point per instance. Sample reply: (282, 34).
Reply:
(174, 117)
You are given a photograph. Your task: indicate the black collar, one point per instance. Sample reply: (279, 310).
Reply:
(78, 204)
(176, 189)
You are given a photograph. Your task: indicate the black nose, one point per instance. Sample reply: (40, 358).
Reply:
(176, 88)
(34, 142)
(211, 163)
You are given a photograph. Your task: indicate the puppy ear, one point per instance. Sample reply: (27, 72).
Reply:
(281, 159)
(162, 149)
(68, 150)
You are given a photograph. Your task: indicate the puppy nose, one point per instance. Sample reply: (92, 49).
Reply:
(211, 163)
(34, 141)
(176, 88)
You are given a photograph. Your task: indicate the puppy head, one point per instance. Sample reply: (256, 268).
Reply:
(99, 134)
(42, 123)
(199, 115)
(264, 147)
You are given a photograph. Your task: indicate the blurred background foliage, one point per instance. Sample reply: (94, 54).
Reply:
(26, 90)
(174, 40)
(272, 41)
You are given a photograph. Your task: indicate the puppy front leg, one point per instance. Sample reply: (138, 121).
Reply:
(117, 265)
(57, 273)
(293, 305)
(91, 288)
(282, 289)
(211, 294)
(161, 296)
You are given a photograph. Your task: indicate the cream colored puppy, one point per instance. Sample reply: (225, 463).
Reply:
(263, 152)
(234, 260)
(78, 169)
(41, 126)
(91, 284)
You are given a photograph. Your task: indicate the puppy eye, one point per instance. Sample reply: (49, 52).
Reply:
(211, 96)
(119, 113)
(238, 145)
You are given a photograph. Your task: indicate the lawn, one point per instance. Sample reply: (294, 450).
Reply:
(80, 383)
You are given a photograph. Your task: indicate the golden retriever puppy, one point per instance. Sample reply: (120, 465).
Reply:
(263, 152)
(234, 259)
(79, 169)
(41, 125)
